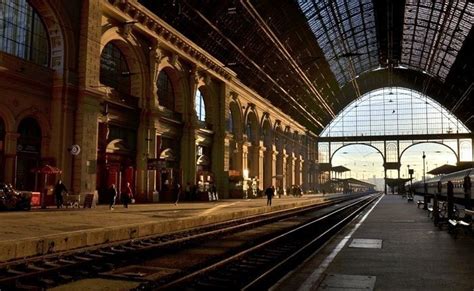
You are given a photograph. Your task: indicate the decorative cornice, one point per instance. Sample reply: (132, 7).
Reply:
(147, 19)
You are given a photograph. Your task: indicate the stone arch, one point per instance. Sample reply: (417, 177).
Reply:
(236, 116)
(118, 146)
(175, 72)
(61, 41)
(279, 138)
(39, 116)
(288, 139)
(267, 131)
(8, 119)
(168, 154)
(251, 117)
(210, 100)
(132, 49)
(348, 144)
(435, 142)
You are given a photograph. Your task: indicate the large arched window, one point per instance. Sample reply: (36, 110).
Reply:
(22, 33)
(230, 122)
(249, 131)
(114, 70)
(394, 111)
(200, 106)
(165, 91)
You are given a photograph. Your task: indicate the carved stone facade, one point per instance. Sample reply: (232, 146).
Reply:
(242, 142)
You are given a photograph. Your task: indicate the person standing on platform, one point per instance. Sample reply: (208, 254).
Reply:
(112, 196)
(177, 190)
(59, 188)
(269, 192)
(127, 195)
(214, 192)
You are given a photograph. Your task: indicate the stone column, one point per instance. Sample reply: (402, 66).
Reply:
(274, 155)
(290, 170)
(63, 104)
(261, 154)
(238, 156)
(268, 167)
(298, 167)
(146, 145)
(188, 141)
(281, 168)
(188, 152)
(84, 165)
(11, 139)
(245, 155)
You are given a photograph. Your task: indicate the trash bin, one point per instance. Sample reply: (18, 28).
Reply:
(156, 196)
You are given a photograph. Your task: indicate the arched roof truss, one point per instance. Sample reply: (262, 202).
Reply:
(393, 112)
(433, 34)
(345, 31)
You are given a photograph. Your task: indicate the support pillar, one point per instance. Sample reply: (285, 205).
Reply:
(261, 155)
(11, 139)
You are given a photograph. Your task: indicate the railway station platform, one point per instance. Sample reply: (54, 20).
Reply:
(43, 231)
(395, 247)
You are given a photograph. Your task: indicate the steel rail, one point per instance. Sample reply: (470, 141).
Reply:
(244, 253)
(12, 272)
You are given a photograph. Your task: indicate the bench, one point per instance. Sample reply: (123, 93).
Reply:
(430, 210)
(456, 225)
(420, 203)
(469, 213)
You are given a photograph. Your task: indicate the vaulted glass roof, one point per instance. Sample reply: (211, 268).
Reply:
(393, 111)
(433, 34)
(345, 31)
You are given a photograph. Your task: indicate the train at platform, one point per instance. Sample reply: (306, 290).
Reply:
(439, 185)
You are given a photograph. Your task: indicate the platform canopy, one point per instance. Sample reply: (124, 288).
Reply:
(353, 181)
(312, 58)
(340, 169)
(444, 169)
(396, 182)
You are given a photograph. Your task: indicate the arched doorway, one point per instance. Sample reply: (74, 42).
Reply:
(170, 174)
(120, 157)
(28, 153)
(117, 141)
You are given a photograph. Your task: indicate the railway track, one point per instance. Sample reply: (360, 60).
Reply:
(260, 266)
(58, 269)
(55, 269)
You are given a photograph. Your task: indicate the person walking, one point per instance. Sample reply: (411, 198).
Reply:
(59, 188)
(269, 192)
(177, 190)
(127, 195)
(112, 196)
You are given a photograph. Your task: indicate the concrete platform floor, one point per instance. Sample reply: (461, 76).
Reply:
(42, 231)
(414, 255)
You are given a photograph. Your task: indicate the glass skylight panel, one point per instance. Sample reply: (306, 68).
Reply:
(393, 111)
(434, 34)
(343, 28)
